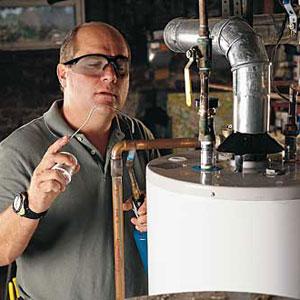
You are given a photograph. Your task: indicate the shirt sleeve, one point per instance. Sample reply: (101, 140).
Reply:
(15, 173)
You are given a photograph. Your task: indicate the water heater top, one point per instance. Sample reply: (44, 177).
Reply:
(181, 172)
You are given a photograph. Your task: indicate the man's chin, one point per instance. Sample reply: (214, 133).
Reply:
(105, 108)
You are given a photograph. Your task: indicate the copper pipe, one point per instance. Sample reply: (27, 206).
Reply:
(283, 82)
(222, 87)
(117, 194)
(275, 96)
(152, 144)
(228, 88)
(203, 21)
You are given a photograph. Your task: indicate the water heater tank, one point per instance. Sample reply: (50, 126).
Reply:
(222, 230)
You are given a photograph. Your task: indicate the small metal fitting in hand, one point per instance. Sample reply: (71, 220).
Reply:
(67, 171)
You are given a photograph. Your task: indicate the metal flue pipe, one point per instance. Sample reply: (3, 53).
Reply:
(250, 68)
(117, 194)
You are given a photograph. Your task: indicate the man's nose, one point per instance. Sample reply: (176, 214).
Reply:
(109, 73)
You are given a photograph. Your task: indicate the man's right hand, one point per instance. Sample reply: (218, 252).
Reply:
(46, 183)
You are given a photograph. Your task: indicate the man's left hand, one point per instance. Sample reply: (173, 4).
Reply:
(141, 221)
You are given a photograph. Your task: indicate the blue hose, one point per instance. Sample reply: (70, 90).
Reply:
(141, 243)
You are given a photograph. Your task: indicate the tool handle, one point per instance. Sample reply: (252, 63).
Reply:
(142, 245)
(137, 203)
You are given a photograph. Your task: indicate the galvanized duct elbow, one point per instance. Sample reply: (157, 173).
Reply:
(250, 67)
(181, 34)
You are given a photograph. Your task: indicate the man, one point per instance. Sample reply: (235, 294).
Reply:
(61, 234)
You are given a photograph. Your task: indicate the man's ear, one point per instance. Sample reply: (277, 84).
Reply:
(61, 74)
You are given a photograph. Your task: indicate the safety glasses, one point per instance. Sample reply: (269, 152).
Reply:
(95, 64)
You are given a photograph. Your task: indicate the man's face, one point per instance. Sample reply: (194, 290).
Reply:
(107, 88)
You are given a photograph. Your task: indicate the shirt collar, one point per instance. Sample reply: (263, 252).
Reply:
(55, 122)
(57, 125)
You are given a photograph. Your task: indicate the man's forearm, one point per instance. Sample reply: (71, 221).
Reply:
(15, 234)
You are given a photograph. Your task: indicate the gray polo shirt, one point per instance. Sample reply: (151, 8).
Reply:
(70, 256)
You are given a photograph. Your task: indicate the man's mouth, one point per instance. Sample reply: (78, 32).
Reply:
(108, 96)
(107, 93)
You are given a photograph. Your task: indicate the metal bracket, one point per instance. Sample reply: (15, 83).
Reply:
(237, 8)
(226, 8)
(293, 20)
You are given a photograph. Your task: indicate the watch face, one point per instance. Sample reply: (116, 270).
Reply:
(18, 205)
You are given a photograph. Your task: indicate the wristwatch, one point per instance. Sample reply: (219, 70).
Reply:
(20, 206)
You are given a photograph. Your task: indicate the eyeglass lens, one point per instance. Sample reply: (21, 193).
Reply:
(95, 65)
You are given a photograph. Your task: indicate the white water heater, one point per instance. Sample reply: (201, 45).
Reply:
(223, 230)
